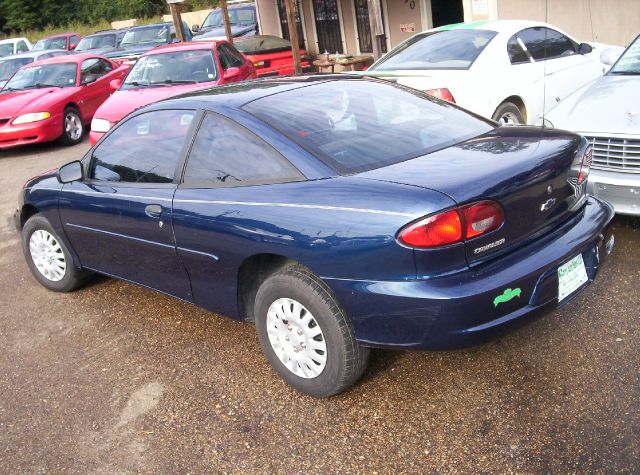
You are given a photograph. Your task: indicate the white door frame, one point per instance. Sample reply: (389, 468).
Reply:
(385, 20)
(426, 15)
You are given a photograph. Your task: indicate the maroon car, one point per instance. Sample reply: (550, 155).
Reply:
(67, 41)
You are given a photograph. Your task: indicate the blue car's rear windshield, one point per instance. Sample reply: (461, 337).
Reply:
(359, 125)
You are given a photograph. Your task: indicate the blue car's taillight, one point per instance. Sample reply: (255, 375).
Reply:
(452, 226)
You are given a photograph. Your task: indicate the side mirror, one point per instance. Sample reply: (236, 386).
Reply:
(89, 80)
(115, 84)
(610, 56)
(73, 46)
(231, 73)
(585, 48)
(72, 171)
(195, 28)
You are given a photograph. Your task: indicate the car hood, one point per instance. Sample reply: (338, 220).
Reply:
(219, 32)
(610, 104)
(17, 103)
(123, 102)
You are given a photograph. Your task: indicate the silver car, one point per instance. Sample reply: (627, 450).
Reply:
(607, 112)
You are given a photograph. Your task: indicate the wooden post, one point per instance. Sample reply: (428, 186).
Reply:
(293, 34)
(376, 26)
(225, 17)
(174, 7)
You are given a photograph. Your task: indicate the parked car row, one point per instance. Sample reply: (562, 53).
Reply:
(161, 68)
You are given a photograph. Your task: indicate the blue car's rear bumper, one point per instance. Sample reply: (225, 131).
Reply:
(459, 310)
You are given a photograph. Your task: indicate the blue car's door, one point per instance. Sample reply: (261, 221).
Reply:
(226, 164)
(118, 219)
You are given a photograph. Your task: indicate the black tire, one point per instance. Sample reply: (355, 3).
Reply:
(72, 278)
(346, 360)
(508, 113)
(68, 137)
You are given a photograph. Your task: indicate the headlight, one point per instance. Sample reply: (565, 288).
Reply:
(100, 125)
(32, 117)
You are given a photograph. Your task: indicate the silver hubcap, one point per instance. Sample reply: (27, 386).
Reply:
(509, 118)
(72, 126)
(296, 338)
(47, 255)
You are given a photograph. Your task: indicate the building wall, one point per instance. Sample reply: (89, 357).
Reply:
(614, 21)
(399, 13)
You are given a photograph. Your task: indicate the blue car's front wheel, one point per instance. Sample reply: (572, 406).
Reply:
(305, 334)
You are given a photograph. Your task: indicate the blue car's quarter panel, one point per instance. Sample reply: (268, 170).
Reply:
(459, 309)
(108, 228)
(339, 227)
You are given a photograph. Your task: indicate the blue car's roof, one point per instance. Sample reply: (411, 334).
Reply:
(237, 95)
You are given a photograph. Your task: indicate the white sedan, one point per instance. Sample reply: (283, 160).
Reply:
(607, 112)
(509, 70)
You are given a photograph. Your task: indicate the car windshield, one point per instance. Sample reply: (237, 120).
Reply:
(629, 62)
(359, 125)
(237, 16)
(450, 49)
(45, 75)
(145, 36)
(6, 49)
(262, 44)
(98, 41)
(51, 43)
(166, 69)
(10, 66)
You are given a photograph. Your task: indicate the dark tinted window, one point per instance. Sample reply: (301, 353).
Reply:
(517, 55)
(452, 49)
(358, 125)
(545, 43)
(226, 154)
(93, 69)
(229, 57)
(144, 149)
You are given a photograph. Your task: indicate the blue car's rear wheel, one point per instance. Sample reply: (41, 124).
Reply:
(305, 334)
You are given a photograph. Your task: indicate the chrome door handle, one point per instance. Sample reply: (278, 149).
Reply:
(153, 211)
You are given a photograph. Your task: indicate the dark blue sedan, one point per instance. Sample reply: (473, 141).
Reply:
(337, 213)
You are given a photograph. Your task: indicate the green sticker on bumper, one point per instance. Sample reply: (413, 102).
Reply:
(507, 295)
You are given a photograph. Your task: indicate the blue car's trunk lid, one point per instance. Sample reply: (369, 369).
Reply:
(531, 173)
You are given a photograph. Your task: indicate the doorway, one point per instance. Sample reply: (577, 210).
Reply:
(327, 19)
(446, 12)
(364, 27)
(282, 12)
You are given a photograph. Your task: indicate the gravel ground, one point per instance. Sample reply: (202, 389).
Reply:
(115, 378)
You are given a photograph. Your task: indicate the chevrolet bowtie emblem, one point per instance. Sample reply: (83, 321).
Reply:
(547, 205)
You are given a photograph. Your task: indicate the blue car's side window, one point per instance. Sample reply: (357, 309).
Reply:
(145, 149)
(226, 154)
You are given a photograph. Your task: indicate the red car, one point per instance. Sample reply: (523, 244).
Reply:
(55, 98)
(271, 55)
(67, 41)
(168, 71)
